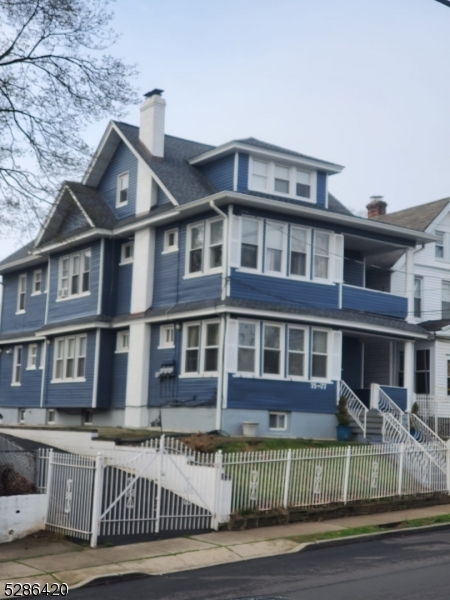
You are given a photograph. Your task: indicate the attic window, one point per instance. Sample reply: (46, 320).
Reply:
(285, 180)
(122, 189)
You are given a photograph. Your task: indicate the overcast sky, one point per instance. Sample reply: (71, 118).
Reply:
(363, 83)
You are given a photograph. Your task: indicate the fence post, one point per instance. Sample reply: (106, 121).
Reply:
(217, 513)
(448, 465)
(158, 481)
(287, 479)
(48, 483)
(97, 500)
(347, 473)
(400, 469)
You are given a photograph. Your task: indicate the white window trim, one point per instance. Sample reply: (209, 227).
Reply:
(22, 413)
(270, 189)
(120, 348)
(205, 270)
(29, 366)
(307, 275)
(123, 259)
(169, 249)
(13, 379)
(256, 369)
(70, 257)
(284, 233)
(202, 339)
(278, 413)
(53, 421)
(33, 292)
(76, 357)
(162, 343)
(329, 355)
(328, 279)
(305, 354)
(282, 328)
(118, 190)
(443, 258)
(21, 311)
(260, 221)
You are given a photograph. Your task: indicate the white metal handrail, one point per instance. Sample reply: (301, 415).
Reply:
(423, 433)
(357, 410)
(387, 405)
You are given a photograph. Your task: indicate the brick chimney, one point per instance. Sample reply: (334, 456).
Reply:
(376, 207)
(151, 129)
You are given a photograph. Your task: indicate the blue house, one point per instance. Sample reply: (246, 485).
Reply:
(202, 288)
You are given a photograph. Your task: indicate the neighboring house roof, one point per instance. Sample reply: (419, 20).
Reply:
(416, 217)
(436, 325)
(19, 254)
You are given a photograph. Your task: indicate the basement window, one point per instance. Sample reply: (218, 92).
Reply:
(277, 421)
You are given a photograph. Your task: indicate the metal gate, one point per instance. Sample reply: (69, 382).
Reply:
(131, 494)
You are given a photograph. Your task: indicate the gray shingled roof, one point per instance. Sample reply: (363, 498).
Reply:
(19, 254)
(416, 217)
(93, 204)
(435, 325)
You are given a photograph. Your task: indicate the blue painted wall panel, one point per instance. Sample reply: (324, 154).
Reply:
(220, 172)
(74, 394)
(28, 394)
(162, 198)
(119, 379)
(242, 182)
(353, 268)
(76, 307)
(122, 161)
(105, 368)
(124, 281)
(117, 278)
(169, 285)
(375, 302)
(397, 394)
(283, 291)
(267, 394)
(321, 188)
(201, 391)
(34, 315)
(73, 221)
(351, 361)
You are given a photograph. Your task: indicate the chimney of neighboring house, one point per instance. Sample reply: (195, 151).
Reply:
(151, 130)
(376, 207)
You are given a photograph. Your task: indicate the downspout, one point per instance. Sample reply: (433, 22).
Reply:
(220, 378)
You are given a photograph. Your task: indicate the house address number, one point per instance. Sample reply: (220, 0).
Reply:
(319, 386)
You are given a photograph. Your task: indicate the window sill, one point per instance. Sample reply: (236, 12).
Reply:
(36, 293)
(78, 380)
(121, 351)
(15, 384)
(277, 429)
(170, 251)
(126, 262)
(31, 369)
(20, 312)
(74, 297)
(122, 204)
(166, 347)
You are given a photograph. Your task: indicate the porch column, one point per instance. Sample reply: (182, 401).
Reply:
(143, 270)
(409, 282)
(136, 410)
(409, 373)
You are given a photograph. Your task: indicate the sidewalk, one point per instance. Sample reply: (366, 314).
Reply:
(49, 558)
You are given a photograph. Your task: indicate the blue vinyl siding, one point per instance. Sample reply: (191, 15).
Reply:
(117, 278)
(122, 161)
(353, 268)
(162, 198)
(34, 315)
(351, 362)
(321, 189)
(169, 285)
(242, 181)
(73, 221)
(221, 172)
(176, 391)
(267, 394)
(105, 368)
(371, 301)
(76, 307)
(119, 378)
(279, 290)
(397, 394)
(74, 394)
(28, 394)
(124, 280)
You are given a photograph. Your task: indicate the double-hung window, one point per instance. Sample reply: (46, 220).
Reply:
(250, 243)
(167, 336)
(302, 184)
(319, 354)
(288, 180)
(37, 282)
(439, 247)
(423, 371)
(282, 176)
(246, 359)
(122, 189)
(274, 242)
(204, 251)
(122, 341)
(260, 175)
(417, 296)
(21, 293)
(70, 358)
(17, 365)
(296, 352)
(272, 349)
(321, 254)
(446, 299)
(299, 244)
(201, 348)
(32, 356)
(126, 253)
(74, 274)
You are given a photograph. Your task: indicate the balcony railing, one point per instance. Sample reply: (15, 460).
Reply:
(374, 301)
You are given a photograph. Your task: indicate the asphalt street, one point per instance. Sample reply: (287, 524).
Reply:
(412, 567)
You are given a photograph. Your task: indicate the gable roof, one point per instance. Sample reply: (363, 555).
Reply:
(416, 217)
(251, 141)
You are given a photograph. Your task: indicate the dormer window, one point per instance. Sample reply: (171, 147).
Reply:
(274, 178)
(122, 189)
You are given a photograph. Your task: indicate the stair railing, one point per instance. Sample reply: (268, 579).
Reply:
(357, 410)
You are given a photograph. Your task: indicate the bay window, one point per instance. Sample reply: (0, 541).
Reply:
(69, 358)
(74, 274)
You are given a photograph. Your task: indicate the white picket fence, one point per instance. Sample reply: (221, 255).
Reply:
(164, 486)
